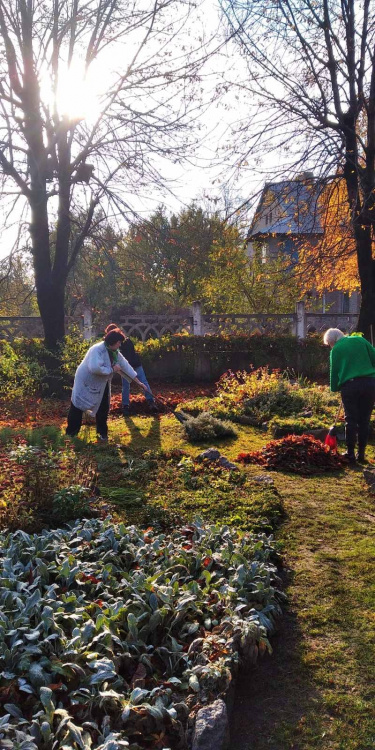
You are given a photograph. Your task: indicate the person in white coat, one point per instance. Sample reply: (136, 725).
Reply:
(92, 383)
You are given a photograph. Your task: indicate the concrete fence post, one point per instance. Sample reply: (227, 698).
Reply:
(301, 320)
(197, 319)
(88, 332)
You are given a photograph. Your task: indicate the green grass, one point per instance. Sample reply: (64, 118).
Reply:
(324, 669)
(140, 478)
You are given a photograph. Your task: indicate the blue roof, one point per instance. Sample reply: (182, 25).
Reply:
(295, 203)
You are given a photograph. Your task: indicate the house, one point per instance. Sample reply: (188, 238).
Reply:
(287, 214)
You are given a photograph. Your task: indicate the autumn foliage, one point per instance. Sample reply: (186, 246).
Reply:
(332, 262)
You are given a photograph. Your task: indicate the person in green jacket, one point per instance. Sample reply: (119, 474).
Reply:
(352, 371)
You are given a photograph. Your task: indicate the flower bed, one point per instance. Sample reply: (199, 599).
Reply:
(259, 396)
(299, 454)
(112, 637)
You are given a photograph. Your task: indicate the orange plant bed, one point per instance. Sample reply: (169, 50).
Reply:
(40, 412)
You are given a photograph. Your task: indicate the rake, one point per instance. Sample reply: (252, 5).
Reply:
(180, 415)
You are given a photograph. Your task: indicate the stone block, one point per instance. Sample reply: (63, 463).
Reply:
(211, 731)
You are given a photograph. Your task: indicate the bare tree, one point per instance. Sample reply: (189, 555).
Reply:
(62, 166)
(310, 75)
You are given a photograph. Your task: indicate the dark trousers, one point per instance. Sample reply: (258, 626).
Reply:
(358, 397)
(75, 417)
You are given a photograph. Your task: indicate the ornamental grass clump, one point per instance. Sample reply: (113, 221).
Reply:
(112, 636)
(299, 454)
(206, 427)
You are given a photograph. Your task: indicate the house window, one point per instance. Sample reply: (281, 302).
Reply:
(263, 252)
(345, 303)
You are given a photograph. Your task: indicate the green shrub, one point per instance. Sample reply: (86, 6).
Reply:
(205, 427)
(71, 503)
(21, 375)
(181, 356)
(26, 366)
(281, 426)
(72, 352)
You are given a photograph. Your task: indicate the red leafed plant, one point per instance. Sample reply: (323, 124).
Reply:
(301, 454)
(171, 397)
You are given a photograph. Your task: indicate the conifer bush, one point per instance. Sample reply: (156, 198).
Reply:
(206, 427)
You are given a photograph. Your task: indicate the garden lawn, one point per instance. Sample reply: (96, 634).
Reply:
(150, 471)
(317, 689)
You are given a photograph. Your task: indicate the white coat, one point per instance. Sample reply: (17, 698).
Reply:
(92, 376)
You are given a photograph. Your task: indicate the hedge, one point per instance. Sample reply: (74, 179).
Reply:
(26, 365)
(207, 357)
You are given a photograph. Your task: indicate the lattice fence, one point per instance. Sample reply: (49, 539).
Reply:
(319, 322)
(256, 323)
(148, 326)
(154, 326)
(12, 328)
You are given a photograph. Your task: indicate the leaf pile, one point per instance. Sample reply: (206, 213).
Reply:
(171, 397)
(300, 454)
(110, 637)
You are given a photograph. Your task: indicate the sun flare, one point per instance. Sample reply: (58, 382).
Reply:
(77, 95)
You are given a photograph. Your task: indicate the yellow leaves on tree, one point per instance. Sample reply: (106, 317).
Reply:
(330, 262)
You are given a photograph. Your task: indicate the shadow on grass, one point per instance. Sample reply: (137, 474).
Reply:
(140, 442)
(273, 698)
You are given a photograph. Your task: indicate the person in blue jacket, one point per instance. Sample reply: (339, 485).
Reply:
(128, 351)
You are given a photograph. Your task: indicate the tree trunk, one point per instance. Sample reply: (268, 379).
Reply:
(50, 290)
(51, 306)
(359, 200)
(366, 269)
(366, 320)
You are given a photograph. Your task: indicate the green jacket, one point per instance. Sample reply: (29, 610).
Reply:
(351, 357)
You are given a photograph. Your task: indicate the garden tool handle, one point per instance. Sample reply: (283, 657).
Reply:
(132, 380)
(338, 413)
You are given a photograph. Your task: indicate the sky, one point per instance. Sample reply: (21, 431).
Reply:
(207, 175)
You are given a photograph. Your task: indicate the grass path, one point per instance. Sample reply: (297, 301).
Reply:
(318, 688)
